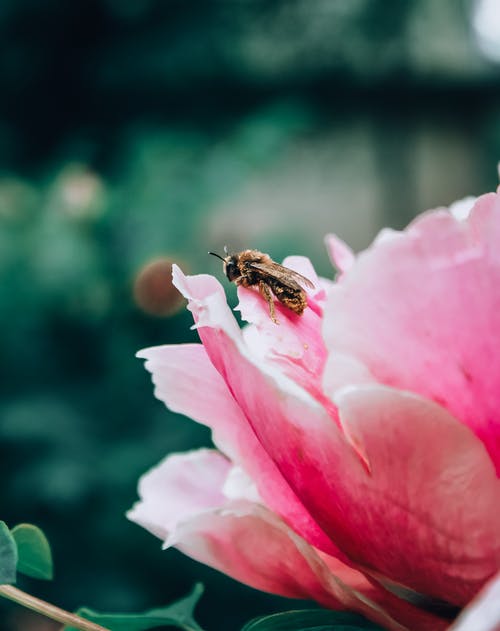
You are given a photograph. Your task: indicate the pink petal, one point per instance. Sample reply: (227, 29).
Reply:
(426, 513)
(296, 341)
(181, 486)
(341, 255)
(207, 300)
(181, 502)
(421, 309)
(249, 543)
(295, 347)
(186, 381)
(483, 613)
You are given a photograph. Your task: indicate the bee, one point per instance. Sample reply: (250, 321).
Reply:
(251, 267)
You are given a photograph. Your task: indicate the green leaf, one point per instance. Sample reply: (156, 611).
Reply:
(179, 614)
(8, 556)
(311, 620)
(35, 557)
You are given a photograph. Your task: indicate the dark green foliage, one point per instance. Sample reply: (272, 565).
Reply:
(311, 620)
(33, 549)
(178, 615)
(24, 549)
(8, 556)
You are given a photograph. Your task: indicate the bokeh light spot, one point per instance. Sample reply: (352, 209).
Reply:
(154, 292)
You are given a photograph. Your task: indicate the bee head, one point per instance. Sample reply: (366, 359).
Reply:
(231, 269)
(230, 265)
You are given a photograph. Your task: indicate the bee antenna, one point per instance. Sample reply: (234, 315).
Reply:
(217, 255)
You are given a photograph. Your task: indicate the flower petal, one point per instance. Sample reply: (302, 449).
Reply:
(181, 486)
(341, 255)
(421, 309)
(296, 341)
(182, 503)
(407, 522)
(186, 381)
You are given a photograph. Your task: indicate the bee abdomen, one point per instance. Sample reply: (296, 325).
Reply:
(292, 298)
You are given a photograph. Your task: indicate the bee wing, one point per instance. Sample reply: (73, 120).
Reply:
(284, 274)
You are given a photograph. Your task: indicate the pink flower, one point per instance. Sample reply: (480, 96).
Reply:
(358, 445)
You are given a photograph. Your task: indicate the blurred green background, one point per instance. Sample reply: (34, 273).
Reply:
(135, 131)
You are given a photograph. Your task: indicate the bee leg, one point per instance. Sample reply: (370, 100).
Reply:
(265, 292)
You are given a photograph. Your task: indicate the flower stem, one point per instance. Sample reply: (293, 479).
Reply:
(48, 610)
